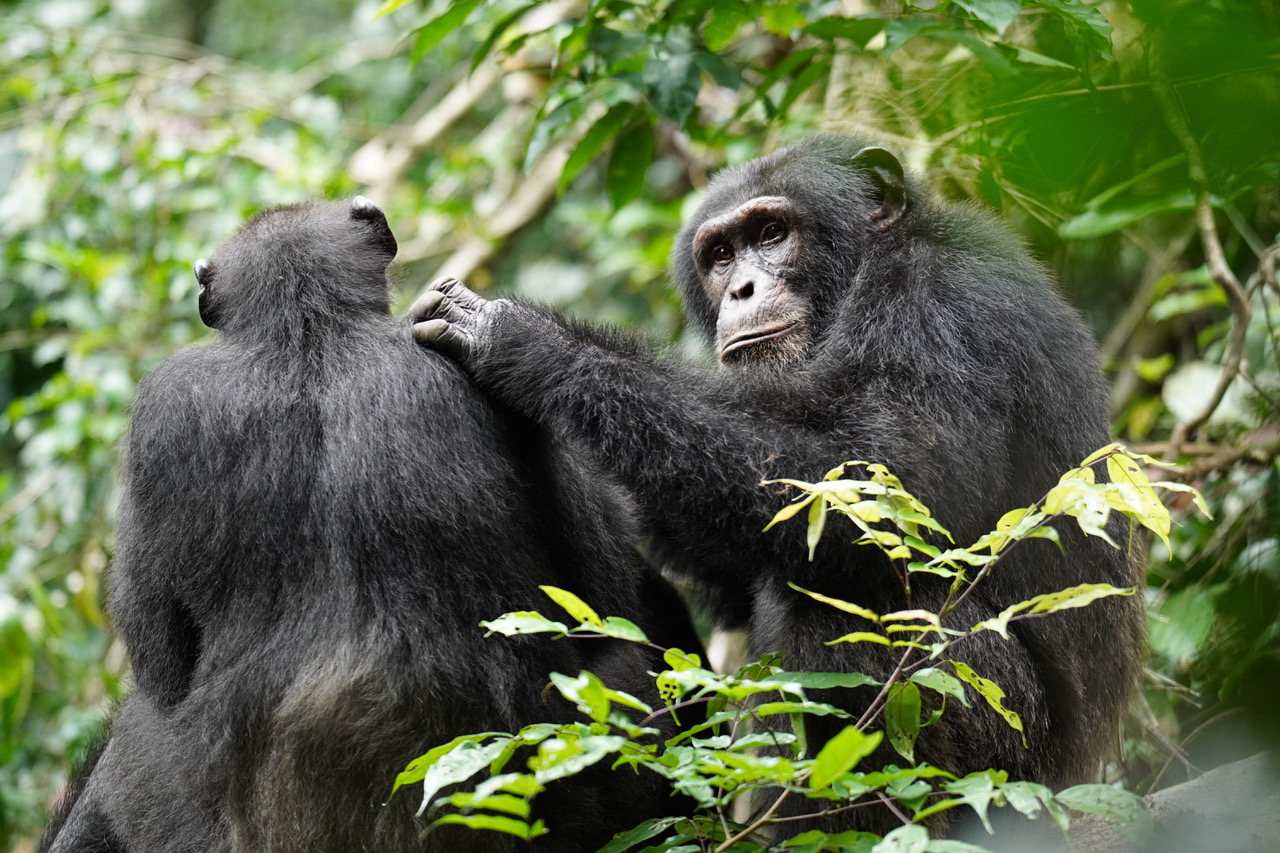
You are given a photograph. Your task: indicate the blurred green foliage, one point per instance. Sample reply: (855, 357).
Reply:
(136, 135)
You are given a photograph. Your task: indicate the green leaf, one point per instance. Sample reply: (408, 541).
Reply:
(782, 19)
(977, 790)
(629, 163)
(722, 72)
(459, 763)
(1135, 496)
(1077, 10)
(524, 622)
(623, 629)
(817, 523)
(940, 682)
(768, 709)
(944, 845)
(861, 637)
(789, 511)
(1098, 223)
(388, 7)
(679, 659)
(1180, 625)
(1125, 809)
(1030, 798)
(1030, 57)
(496, 823)
(416, 770)
(858, 30)
(911, 838)
(672, 81)
(587, 692)
(1079, 595)
(452, 18)
(505, 803)
(899, 31)
(826, 680)
(847, 607)
(817, 841)
(723, 24)
(486, 47)
(902, 719)
(992, 692)
(593, 141)
(841, 754)
(568, 756)
(624, 841)
(996, 14)
(574, 606)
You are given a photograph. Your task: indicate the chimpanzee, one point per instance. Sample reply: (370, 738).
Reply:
(854, 318)
(317, 514)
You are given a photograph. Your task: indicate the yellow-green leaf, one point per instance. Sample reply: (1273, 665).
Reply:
(846, 606)
(841, 754)
(789, 511)
(860, 637)
(817, 523)
(992, 692)
(574, 606)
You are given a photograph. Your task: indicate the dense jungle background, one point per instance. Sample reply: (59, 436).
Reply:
(550, 149)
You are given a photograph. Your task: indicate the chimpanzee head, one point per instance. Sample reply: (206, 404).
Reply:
(777, 242)
(297, 267)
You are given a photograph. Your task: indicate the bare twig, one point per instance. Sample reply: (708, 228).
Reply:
(1176, 119)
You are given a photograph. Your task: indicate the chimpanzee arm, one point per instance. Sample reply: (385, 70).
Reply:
(156, 527)
(691, 446)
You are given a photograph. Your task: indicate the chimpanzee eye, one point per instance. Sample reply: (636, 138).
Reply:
(722, 254)
(772, 233)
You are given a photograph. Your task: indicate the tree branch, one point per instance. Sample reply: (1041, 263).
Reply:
(1175, 118)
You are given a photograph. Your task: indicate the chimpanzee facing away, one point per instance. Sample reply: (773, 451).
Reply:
(855, 318)
(317, 514)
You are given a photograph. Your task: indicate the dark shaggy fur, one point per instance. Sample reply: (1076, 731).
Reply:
(936, 346)
(317, 515)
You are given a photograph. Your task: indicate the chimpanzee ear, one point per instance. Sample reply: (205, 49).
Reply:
(208, 308)
(365, 210)
(891, 187)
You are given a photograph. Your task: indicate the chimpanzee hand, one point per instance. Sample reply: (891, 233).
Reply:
(451, 318)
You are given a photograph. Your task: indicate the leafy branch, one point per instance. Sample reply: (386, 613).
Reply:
(738, 749)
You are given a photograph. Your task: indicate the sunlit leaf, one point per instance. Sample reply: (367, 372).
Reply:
(497, 823)
(846, 606)
(991, 692)
(574, 606)
(841, 754)
(427, 36)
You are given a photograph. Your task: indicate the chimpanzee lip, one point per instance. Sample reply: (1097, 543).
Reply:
(759, 335)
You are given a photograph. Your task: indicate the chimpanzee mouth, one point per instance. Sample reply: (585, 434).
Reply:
(753, 337)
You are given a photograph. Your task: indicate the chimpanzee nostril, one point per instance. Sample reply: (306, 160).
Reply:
(742, 290)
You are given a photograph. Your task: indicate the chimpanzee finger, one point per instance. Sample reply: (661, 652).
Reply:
(444, 337)
(427, 306)
(463, 296)
(441, 282)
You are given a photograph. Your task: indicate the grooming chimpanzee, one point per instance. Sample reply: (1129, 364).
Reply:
(317, 514)
(855, 318)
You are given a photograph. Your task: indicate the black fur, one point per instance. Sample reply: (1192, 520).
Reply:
(935, 345)
(317, 514)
